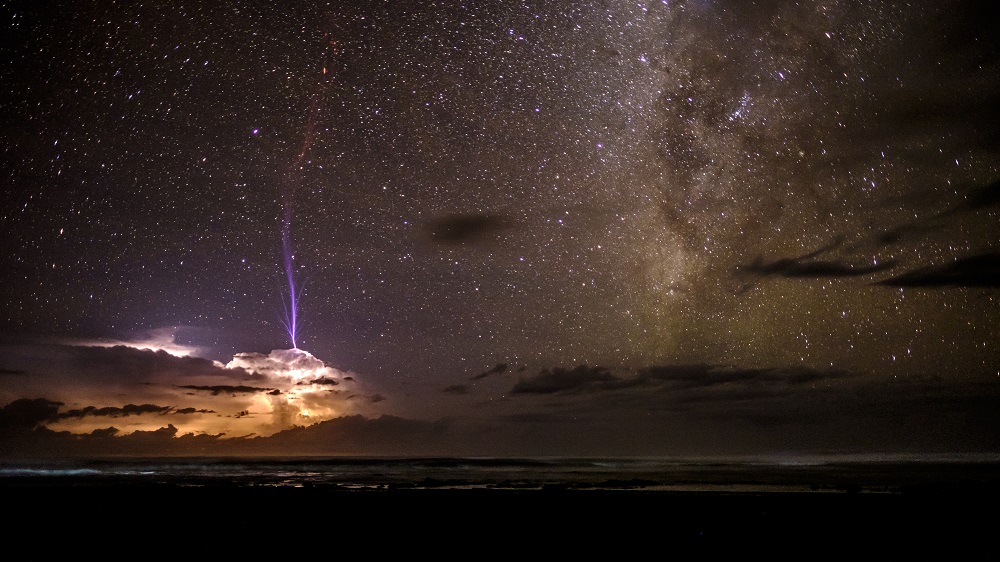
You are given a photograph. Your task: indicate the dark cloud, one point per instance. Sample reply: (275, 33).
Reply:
(977, 271)
(7, 372)
(27, 413)
(805, 267)
(105, 433)
(115, 412)
(809, 267)
(660, 409)
(322, 380)
(903, 231)
(355, 435)
(702, 375)
(988, 196)
(113, 369)
(464, 228)
(128, 410)
(560, 380)
(532, 417)
(500, 368)
(229, 389)
(456, 389)
(914, 408)
(673, 377)
(142, 364)
(686, 375)
(193, 411)
(981, 270)
(155, 435)
(793, 407)
(346, 435)
(978, 198)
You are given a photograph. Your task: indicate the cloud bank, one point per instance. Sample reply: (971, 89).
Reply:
(666, 409)
(254, 394)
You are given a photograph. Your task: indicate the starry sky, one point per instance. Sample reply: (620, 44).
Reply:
(515, 227)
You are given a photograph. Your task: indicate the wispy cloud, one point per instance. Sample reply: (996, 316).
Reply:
(456, 389)
(456, 229)
(981, 270)
(228, 389)
(498, 369)
(808, 266)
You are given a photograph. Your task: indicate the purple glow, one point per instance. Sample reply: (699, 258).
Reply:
(291, 308)
(291, 318)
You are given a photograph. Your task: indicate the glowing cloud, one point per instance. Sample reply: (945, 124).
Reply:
(159, 339)
(310, 391)
(294, 364)
(254, 394)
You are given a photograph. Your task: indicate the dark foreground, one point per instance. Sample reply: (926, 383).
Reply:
(473, 523)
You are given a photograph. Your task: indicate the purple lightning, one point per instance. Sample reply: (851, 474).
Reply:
(290, 319)
(291, 313)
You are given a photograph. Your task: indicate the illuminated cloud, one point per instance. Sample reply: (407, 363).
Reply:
(295, 364)
(304, 390)
(158, 339)
(135, 383)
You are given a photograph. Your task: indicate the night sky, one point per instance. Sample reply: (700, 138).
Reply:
(579, 227)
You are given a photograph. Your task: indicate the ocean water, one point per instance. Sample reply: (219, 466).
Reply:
(622, 508)
(882, 475)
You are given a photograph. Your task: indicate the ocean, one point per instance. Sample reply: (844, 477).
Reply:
(830, 474)
(507, 507)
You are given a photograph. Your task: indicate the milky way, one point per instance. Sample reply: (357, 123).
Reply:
(758, 185)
